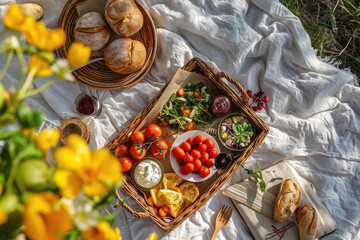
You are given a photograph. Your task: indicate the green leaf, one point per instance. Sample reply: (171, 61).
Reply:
(36, 119)
(109, 218)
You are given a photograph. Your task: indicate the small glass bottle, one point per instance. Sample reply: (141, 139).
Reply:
(87, 105)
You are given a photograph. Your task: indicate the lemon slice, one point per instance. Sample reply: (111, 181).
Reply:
(169, 197)
(171, 180)
(190, 193)
(175, 210)
(157, 201)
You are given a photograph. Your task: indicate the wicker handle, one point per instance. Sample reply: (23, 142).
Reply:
(244, 95)
(141, 215)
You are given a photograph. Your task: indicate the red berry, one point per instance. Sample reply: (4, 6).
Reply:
(249, 93)
(262, 104)
(266, 99)
(259, 108)
(254, 108)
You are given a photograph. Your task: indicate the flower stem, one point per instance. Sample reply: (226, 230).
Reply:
(28, 81)
(40, 89)
(6, 66)
(23, 66)
(13, 169)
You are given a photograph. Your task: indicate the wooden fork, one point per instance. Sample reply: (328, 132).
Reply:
(222, 218)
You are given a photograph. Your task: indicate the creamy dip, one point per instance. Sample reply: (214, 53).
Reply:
(147, 173)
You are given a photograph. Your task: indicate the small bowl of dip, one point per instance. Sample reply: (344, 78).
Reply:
(147, 174)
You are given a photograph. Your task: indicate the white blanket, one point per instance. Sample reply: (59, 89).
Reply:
(313, 113)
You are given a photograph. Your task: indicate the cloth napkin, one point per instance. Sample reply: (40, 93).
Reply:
(257, 208)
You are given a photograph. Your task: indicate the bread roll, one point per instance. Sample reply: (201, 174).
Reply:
(124, 17)
(307, 222)
(125, 55)
(92, 30)
(32, 9)
(287, 200)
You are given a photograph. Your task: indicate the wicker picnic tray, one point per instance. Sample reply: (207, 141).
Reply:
(209, 187)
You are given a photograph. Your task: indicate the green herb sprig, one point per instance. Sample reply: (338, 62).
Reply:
(258, 178)
(242, 131)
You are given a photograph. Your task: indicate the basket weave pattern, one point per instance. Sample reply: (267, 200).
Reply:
(194, 65)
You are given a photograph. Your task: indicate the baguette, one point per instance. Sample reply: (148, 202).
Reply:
(287, 200)
(307, 222)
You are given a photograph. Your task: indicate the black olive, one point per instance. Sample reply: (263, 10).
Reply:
(222, 161)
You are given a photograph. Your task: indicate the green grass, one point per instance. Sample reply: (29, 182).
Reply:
(334, 28)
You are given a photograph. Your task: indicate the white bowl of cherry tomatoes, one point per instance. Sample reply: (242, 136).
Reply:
(192, 156)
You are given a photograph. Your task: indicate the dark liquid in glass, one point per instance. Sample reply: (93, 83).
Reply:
(86, 105)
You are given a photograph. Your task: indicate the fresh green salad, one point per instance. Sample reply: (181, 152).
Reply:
(186, 107)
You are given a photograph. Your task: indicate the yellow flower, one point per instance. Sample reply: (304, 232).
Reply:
(47, 139)
(41, 66)
(103, 231)
(152, 236)
(14, 17)
(3, 216)
(94, 172)
(78, 54)
(38, 35)
(45, 217)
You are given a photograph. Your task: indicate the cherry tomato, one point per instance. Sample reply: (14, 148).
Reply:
(202, 148)
(159, 148)
(199, 139)
(191, 141)
(180, 161)
(212, 153)
(190, 126)
(200, 97)
(137, 152)
(197, 165)
(204, 157)
(188, 158)
(138, 136)
(153, 129)
(195, 153)
(189, 167)
(123, 150)
(180, 92)
(186, 111)
(210, 163)
(165, 209)
(126, 164)
(196, 94)
(204, 172)
(186, 146)
(182, 171)
(178, 152)
(162, 213)
(209, 143)
(164, 123)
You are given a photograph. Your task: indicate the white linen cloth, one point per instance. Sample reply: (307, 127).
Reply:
(313, 113)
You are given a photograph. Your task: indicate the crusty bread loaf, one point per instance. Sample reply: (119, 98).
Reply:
(307, 222)
(92, 30)
(125, 55)
(32, 9)
(287, 200)
(124, 17)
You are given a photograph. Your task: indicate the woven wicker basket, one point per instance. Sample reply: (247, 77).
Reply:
(97, 74)
(212, 185)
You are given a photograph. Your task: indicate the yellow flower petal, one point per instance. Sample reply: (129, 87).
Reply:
(14, 17)
(41, 66)
(95, 188)
(37, 34)
(109, 167)
(66, 158)
(47, 139)
(152, 236)
(79, 146)
(69, 182)
(3, 216)
(78, 54)
(40, 214)
(102, 231)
